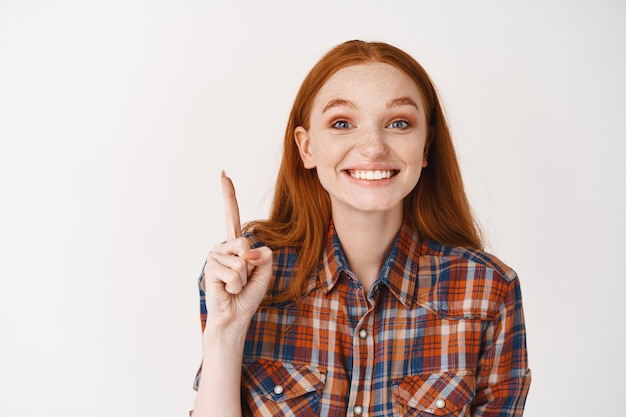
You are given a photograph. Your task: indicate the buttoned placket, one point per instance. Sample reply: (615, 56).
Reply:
(363, 354)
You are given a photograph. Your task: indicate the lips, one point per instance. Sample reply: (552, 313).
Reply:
(371, 175)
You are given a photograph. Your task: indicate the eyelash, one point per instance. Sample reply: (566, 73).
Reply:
(406, 124)
(335, 124)
(347, 124)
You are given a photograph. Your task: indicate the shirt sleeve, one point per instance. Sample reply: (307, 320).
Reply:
(201, 286)
(503, 378)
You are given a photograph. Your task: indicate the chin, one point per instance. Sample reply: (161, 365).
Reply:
(377, 207)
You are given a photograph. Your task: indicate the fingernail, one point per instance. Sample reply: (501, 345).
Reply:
(252, 255)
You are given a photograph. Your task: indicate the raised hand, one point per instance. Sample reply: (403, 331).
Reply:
(236, 276)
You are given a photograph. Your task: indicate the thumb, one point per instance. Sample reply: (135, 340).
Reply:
(259, 257)
(260, 264)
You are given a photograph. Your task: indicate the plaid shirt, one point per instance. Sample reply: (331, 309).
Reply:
(440, 333)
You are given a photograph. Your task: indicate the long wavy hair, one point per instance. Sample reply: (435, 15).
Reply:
(301, 213)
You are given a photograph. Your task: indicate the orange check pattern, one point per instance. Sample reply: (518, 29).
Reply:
(440, 333)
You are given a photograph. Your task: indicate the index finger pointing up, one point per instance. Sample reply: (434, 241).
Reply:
(231, 209)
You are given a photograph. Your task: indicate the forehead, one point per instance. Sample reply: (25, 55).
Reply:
(375, 79)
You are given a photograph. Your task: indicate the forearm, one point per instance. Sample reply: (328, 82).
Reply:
(504, 399)
(504, 377)
(219, 391)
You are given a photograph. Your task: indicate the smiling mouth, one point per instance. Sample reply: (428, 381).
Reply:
(375, 175)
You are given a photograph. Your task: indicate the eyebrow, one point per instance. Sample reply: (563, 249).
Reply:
(402, 101)
(338, 103)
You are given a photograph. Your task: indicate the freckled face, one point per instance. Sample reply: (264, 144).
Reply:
(366, 138)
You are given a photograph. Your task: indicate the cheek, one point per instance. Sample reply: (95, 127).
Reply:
(327, 168)
(325, 156)
(326, 179)
(412, 153)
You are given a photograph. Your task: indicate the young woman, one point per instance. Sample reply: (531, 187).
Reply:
(367, 291)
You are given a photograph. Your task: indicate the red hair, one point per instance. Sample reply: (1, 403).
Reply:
(300, 216)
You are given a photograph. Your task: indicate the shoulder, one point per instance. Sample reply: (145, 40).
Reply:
(469, 257)
(256, 241)
(462, 282)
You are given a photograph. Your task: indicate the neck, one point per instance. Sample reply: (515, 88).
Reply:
(366, 240)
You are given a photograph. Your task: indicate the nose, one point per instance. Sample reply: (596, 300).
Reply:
(373, 145)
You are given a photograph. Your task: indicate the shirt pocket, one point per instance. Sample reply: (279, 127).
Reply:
(437, 394)
(282, 388)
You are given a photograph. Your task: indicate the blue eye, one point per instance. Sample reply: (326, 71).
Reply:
(341, 124)
(399, 124)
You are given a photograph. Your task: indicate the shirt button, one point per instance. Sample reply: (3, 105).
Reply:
(440, 403)
(362, 333)
(358, 410)
(278, 389)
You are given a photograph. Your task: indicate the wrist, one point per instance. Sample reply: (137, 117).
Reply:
(224, 337)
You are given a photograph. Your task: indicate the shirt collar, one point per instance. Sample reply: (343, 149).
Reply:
(399, 272)
(333, 261)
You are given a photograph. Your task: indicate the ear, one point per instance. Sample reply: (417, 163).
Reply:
(301, 137)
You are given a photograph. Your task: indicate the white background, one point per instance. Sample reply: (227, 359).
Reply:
(116, 118)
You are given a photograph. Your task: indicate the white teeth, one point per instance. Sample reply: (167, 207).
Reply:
(371, 175)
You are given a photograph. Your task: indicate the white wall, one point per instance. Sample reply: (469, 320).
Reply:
(116, 118)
